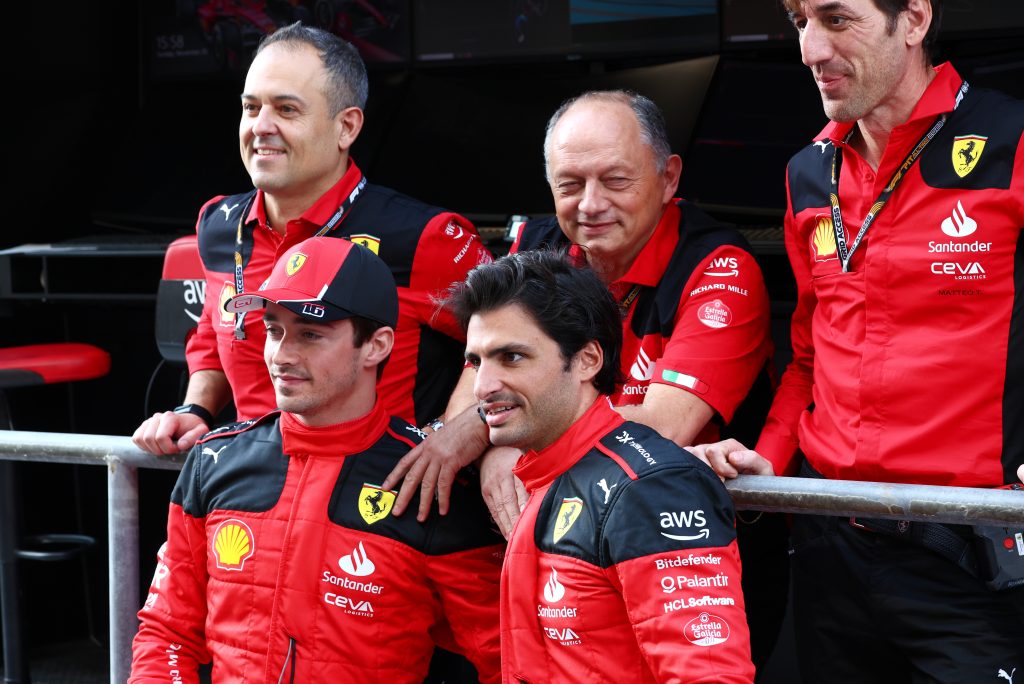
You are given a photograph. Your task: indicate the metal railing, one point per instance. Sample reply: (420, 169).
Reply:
(956, 505)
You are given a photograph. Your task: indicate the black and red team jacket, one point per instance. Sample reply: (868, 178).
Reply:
(700, 320)
(283, 563)
(910, 366)
(426, 248)
(624, 565)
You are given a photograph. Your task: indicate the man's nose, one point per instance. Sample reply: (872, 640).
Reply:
(594, 200)
(815, 44)
(265, 123)
(488, 381)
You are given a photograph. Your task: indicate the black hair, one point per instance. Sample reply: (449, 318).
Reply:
(567, 301)
(347, 83)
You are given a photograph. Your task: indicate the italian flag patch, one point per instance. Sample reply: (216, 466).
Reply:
(684, 380)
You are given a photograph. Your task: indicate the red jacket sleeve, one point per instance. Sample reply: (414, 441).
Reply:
(201, 347)
(448, 249)
(683, 598)
(171, 643)
(722, 335)
(778, 441)
(467, 585)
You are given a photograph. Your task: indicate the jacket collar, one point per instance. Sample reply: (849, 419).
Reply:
(341, 439)
(538, 468)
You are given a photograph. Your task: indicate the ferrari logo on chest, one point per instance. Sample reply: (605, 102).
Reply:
(967, 151)
(370, 242)
(568, 512)
(375, 503)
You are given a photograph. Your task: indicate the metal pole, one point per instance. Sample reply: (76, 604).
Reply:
(15, 667)
(123, 556)
(928, 503)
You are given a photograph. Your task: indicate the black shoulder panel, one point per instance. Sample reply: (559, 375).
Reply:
(597, 513)
(396, 220)
(979, 140)
(543, 233)
(238, 467)
(358, 503)
(699, 236)
(810, 173)
(217, 229)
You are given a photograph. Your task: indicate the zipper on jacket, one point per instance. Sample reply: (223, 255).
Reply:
(289, 659)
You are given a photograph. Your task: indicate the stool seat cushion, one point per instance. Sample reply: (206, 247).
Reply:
(36, 364)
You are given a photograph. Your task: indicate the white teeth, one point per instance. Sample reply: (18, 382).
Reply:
(501, 410)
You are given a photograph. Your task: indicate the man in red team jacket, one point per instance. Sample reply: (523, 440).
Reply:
(903, 228)
(282, 561)
(623, 566)
(301, 112)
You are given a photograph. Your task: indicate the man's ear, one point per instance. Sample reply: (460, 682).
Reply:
(378, 347)
(918, 16)
(589, 360)
(350, 122)
(673, 170)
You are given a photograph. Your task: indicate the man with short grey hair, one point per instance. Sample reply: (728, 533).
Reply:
(696, 344)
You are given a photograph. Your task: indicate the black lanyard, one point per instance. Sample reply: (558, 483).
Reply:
(845, 254)
(331, 224)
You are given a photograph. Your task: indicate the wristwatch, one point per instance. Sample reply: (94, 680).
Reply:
(196, 410)
(436, 424)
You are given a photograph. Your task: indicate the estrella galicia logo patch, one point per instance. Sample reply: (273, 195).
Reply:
(370, 242)
(233, 544)
(967, 151)
(706, 630)
(568, 512)
(295, 263)
(375, 503)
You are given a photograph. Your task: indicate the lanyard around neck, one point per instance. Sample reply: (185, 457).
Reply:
(331, 224)
(846, 252)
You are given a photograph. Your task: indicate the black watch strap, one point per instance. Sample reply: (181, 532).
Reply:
(197, 410)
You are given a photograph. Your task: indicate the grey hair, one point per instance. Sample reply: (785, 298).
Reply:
(648, 117)
(347, 84)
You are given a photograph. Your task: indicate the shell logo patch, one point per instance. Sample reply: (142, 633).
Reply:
(295, 262)
(375, 503)
(568, 512)
(824, 240)
(226, 293)
(967, 151)
(370, 242)
(233, 544)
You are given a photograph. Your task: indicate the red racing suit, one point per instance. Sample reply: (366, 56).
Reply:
(908, 367)
(624, 565)
(699, 319)
(283, 563)
(426, 248)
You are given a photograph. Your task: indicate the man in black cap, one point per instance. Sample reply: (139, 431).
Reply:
(282, 561)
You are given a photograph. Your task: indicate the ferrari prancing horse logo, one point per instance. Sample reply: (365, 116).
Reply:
(967, 151)
(295, 263)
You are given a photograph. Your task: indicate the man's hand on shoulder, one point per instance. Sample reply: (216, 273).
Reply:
(730, 458)
(169, 433)
(503, 493)
(432, 466)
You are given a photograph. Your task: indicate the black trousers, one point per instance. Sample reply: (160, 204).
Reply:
(875, 609)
